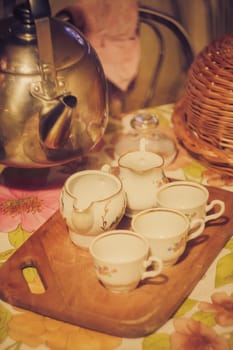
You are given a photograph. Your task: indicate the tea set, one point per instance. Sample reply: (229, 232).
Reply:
(164, 216)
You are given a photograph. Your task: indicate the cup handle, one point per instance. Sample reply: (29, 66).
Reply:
(199, 224)
(213, 203)
(157, 268)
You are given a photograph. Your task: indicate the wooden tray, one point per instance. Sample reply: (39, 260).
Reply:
(73, 293)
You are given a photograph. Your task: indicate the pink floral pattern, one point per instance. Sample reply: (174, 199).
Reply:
(222, 307)
(28, 208)
(177, 245)
(193, 335)
(105, 270)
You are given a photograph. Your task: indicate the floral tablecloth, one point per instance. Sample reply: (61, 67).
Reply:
(29, 197)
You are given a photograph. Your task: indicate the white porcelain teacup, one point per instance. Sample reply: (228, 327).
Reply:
(121, 258)
(191, 198)
(91, 202)
(167, 232)
(141, 173)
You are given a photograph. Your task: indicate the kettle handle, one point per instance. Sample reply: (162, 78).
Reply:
(48, 88)
(39, 8)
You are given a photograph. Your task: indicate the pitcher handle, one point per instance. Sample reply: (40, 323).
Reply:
(111, 169)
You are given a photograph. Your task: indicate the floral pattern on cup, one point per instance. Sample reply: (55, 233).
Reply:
(159, 182)
(105, 270)
(177, 245)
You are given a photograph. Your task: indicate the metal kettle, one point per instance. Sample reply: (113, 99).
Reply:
(53, 92)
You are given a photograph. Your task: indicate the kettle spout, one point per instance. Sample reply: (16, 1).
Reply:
(55, 122)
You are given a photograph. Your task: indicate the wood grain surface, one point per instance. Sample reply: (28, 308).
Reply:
(73, 294)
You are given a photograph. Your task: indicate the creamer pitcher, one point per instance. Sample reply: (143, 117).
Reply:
(141, 173)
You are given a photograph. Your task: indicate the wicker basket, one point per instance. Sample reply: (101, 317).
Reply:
(203, 118)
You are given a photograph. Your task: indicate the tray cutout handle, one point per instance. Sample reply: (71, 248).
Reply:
(33, 277)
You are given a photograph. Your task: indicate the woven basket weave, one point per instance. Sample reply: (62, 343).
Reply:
(203, 118)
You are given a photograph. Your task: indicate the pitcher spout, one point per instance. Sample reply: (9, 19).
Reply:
(82, 219)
